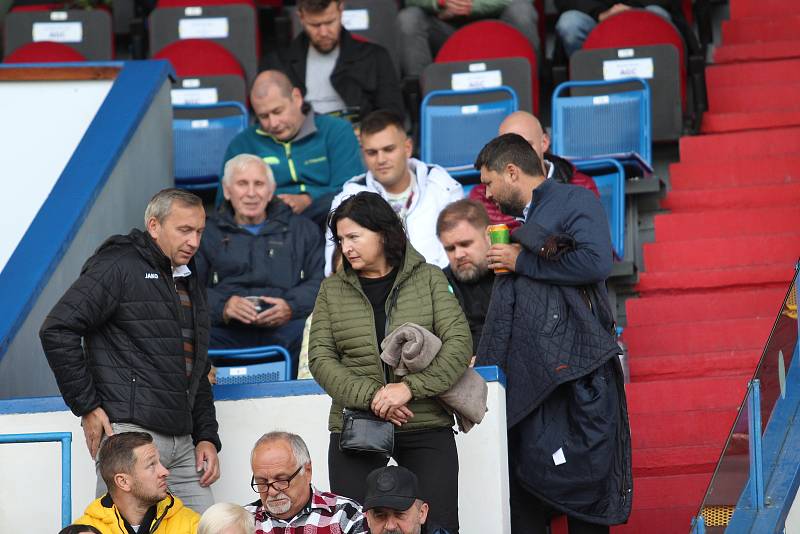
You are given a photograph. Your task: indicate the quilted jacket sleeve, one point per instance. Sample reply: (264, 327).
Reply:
(204, 415)
(89, 302)
(589, 263)
(450, 325)
(336, 379)
(493, 348)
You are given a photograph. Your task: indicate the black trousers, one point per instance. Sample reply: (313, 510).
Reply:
(529, 515)
(429, 454)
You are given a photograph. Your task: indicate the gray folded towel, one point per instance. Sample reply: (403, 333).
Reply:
(411, 348)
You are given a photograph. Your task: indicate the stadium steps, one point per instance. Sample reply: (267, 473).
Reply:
(761, 72)
(740, 9)
(727, 174)
(761, 29)
(757, 51)
(715, 276)
(723, 223)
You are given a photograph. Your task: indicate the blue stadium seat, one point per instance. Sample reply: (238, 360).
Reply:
(455, 125)
(201, 138)
(276, 369)
(614, 124)
(609, 176)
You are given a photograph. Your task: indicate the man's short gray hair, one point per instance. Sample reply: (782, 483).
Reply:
(241, 162)
(299, 448)
(161, 203)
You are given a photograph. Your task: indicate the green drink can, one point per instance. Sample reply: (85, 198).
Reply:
(499, 234)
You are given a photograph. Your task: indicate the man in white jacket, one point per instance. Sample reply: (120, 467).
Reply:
(416, 190)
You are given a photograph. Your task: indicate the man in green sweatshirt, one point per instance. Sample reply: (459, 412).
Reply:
(311, 156)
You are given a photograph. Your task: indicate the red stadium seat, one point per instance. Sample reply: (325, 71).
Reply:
(240, 35)
(208, 65)
(491, 39)
(44, 52)
(638, 27)
(199, 57)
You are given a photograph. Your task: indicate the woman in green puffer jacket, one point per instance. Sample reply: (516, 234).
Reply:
(384, 284)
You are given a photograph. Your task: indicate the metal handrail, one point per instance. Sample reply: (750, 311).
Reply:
(66, 464)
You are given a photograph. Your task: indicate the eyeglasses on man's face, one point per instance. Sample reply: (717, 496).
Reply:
(260, 486)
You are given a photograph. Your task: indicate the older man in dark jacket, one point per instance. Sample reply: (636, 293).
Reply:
(335, 71)
(128, 345)
(261, 263)
(549, 327)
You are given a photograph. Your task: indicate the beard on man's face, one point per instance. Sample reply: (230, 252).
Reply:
(512, 206)
(470, 272)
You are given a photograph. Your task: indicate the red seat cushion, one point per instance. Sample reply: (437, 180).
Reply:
(201, 3)
(638, 27)
(44, 52)
(491, 39)
(199, 57)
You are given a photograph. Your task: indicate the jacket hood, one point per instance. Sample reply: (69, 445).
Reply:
(411, 260)
(141, 242)
(105, 511)
(562, 169)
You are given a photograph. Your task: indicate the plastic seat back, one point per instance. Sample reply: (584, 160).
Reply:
(87, 31)
(206, 73)
(658, 64)
(229, 23)
(613, 123)
(637, 27)
(513, 72)
(452, 134)
(201, 140)
(491, 39)
(609, 176)
(271, 363)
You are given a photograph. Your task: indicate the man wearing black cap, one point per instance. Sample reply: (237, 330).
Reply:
(392, 503)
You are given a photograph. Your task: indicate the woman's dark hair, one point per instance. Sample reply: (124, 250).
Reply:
(79, 529)
(372, 212)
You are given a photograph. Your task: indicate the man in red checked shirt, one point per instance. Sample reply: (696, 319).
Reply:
(289, 503)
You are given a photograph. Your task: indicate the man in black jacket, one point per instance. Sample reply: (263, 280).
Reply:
(568, 434)
(261, 263)
(336, 72)
(128, 344)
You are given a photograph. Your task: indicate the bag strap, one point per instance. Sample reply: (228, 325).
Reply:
(392, 302)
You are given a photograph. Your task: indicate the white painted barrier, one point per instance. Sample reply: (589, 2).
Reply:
(30, 483)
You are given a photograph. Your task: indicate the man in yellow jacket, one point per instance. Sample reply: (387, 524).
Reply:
(138, 500)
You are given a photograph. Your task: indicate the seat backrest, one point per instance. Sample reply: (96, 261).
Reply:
(491, 39)
(374, 21)
(514, 72)
(201, 140)
(44, 52)
(638, 27)
(658, 64)
(88, 32)
(609, 176)
(231, 24)
(206, 72)
(452, 135)
(252, 365)
(613, 123)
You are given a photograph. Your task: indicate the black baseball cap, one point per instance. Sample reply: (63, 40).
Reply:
(392, 487)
